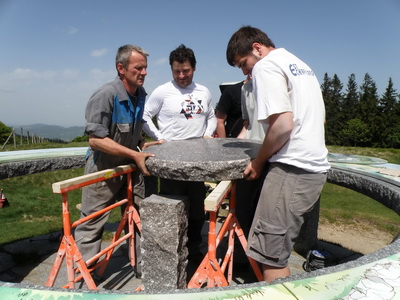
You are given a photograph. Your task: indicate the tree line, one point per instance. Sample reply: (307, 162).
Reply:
(358, 116)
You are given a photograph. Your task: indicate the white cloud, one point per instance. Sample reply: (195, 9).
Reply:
(103, 75)
(161, 61)
(99, 52)
(29, 74)
(70, 73)
(72, 30)
(56, 96)
(6, 90)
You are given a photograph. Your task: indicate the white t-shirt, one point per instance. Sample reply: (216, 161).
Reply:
(182, 113)
(255, 130)
(284, 83)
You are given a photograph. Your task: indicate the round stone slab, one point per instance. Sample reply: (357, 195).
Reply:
(205, 159)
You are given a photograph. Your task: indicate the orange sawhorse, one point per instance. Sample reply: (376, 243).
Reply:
(76, 267)
(210, 272)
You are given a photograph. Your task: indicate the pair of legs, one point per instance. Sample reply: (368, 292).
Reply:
(247, 194)
(96, 197)
(288, 193)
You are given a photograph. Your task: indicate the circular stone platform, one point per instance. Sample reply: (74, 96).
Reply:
(354, 159)
(202, 159)
(379, 269)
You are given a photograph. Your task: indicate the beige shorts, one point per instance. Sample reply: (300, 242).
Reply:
(287, 194)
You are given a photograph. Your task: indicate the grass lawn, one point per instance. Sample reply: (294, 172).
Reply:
(344, 206)
(35, 210)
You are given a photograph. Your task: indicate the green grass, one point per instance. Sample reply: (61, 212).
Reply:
(34, 209)
(341, 205)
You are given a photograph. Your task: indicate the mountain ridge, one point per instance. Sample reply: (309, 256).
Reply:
(66, 134)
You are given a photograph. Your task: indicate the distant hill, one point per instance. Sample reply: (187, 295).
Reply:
(51, 131)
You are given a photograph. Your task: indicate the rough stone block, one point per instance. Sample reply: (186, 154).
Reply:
(164, 237)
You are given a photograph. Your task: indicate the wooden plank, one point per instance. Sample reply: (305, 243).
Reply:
(214, 199)
(62, 186)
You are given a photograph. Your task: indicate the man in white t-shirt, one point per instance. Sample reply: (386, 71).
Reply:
(184, 111)
(289, 100)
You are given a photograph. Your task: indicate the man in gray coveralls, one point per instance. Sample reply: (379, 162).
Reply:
(114, 125)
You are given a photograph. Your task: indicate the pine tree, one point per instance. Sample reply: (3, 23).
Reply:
(369, 111)
(390, 123)
(333, 98)
(326, 90)
(350, 106)
(349, 109)
(337, 99)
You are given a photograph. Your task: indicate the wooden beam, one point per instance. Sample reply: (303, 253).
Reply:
(84, 180)
(214, 199)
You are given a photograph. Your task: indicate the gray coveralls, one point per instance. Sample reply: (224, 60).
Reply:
(112, 113)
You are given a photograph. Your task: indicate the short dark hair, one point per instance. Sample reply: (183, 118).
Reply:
(241, 42)
(182, 54)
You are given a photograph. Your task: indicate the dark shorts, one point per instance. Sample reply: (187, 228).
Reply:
(287, 194)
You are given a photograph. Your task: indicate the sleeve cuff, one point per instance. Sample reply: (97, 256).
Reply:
(97, 130)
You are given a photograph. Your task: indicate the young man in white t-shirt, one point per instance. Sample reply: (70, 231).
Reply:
(289, 100)
(184, 111)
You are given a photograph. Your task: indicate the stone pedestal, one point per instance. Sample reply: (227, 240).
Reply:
(164, 237)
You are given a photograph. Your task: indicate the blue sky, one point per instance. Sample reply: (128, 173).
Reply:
(54, 54)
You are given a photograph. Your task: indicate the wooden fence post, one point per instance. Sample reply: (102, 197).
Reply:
(7, 140)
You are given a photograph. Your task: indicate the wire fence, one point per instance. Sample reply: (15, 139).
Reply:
(22, 139)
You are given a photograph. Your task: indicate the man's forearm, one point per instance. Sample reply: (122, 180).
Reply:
(220, 129)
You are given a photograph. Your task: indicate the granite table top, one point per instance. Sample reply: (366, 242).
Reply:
(203, 159)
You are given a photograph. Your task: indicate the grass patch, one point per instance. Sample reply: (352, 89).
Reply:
(34, 209)
(344, 206)
(107, 235)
